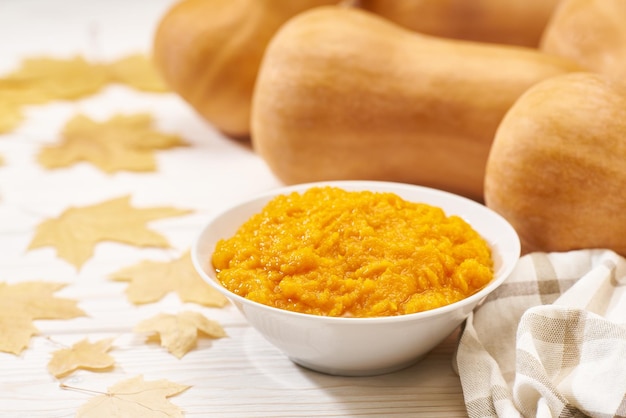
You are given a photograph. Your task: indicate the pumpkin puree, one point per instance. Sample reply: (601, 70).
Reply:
(332, 252)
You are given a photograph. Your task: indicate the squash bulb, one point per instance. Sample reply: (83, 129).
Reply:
(557, 166)
(209, 52)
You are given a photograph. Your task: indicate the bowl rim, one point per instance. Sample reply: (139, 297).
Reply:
(474, 298)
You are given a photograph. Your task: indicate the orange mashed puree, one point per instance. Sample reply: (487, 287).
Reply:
(332, 252)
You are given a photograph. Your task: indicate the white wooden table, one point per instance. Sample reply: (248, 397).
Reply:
(238, 376)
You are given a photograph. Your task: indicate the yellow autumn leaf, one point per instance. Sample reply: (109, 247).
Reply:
(21, 303)
(10, 115)
(16, 331)
(81, 355)
(150, 281)
(124, 142)
(179, 333)
(134, 398)
(42, 79)
(139, 72)
(75, 233)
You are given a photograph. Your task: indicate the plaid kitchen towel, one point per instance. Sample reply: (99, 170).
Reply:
(551, 341)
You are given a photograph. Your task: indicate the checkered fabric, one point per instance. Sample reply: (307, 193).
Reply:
(551, 341)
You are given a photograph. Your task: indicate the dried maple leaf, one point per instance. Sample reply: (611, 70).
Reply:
(124, 142)
(21, 303)
(43, 79)
(10, 115)
(139, 72)
(82, 355)
(135, 398)
(179, 333)
(40, 80)
(152, 280)
(16, 332)
(75, 233)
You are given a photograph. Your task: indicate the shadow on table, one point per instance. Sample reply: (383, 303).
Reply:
(429, 387)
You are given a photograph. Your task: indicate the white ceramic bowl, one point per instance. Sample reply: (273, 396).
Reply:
(361, 346)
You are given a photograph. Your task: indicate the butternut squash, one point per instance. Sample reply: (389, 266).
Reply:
(515, 22)
(591, 33)
(345, 94)
(557, 168)
(209, 51)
